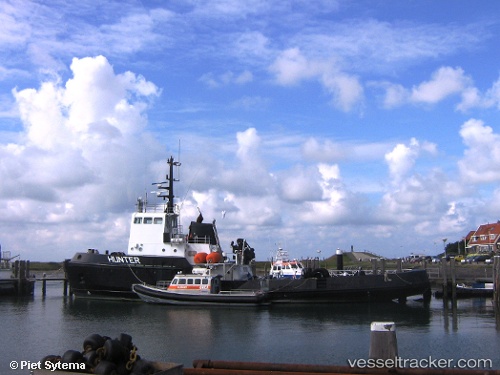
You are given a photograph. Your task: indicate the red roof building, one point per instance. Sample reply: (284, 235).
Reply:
(485, 239)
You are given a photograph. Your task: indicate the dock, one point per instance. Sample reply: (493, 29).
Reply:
(20, 282)
(44, 279)
(445, 277)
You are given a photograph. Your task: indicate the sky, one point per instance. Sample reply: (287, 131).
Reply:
(308, 125)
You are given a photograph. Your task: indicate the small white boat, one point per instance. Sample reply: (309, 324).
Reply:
(198, 289)
(283, 267)
(478, 289)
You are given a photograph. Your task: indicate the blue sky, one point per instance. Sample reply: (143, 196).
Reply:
(314, 125)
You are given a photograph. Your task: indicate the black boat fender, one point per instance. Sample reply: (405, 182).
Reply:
(321, 273)
(126, 341)
(91, 358)
(93, 342)
(114, 351)
(307, 273)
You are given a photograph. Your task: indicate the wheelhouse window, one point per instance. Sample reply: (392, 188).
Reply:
(182, 281)
(158, 220)
(148, 220)
(137, 220)
(204, 281)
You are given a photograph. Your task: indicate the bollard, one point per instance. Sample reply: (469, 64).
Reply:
(340, 260)
(383, 342)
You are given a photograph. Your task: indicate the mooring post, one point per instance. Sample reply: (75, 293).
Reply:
(44, 285)
(399, 265)
(383, 341)
(373, 261)
(496, 280)
(453, 280)
(20, 279)
(445, 280)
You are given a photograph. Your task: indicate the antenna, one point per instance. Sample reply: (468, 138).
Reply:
(179, 159)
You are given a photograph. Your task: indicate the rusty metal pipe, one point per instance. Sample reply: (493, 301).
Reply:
(210, 367)
(283, 367)
(218, 371)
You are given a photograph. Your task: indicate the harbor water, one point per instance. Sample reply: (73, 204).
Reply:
(34, 327)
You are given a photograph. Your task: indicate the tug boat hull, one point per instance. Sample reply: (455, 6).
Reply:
(351, 288)
(104, 276)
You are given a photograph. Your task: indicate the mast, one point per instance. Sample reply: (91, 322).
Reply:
(169, 209)
(171, 229)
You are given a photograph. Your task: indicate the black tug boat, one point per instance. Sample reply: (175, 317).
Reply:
(157, 250)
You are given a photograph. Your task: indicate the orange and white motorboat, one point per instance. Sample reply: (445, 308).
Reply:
(198, 289)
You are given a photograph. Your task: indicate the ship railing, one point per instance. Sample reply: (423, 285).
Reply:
(357, 272)
(347, 272)
(151, 207)
(200, 240)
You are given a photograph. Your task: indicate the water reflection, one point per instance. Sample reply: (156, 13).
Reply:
(412, 314)
(321, 334)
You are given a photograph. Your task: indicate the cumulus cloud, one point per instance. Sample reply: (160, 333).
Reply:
(403, 157)
(291, 67)
(300, 184)
(67, 164)
(444, 82)
(473, 98)
(482, 156)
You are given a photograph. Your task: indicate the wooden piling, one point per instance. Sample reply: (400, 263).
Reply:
(44, 285)
(399, 265)
(496, 280)
(445, 280)
(383, 342)
(453, 280)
